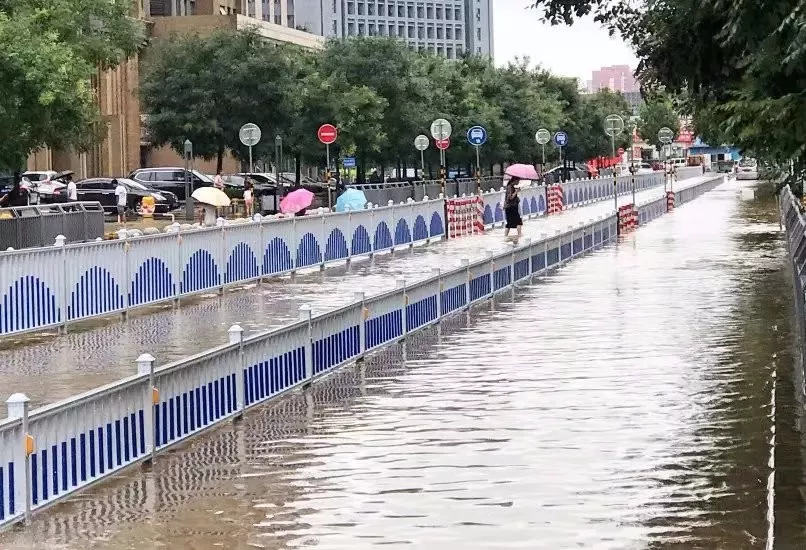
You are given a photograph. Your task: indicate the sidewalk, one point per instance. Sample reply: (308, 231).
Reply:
(48, 367)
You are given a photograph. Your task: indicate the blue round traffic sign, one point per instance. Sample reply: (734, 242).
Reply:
(477, 135)
(561, 139)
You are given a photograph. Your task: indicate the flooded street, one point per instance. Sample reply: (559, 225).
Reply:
(636, 398)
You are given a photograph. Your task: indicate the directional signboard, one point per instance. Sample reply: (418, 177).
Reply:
(348, 162)
(327, 134)
(665, 135)
(561, 139)
(614, 125)
(421, 142)
(477, 135)
(249, 134)
(441, 129)
(542, 136)
(443, 144)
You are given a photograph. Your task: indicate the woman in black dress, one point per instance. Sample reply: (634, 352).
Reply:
(512, 210)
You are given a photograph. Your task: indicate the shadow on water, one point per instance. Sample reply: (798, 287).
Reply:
(636, 412)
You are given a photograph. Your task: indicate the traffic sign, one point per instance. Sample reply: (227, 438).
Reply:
(249, 134)
(543, 136)
(477, 135)
(327, 134)
(665, 135)
(421, 142)
(441, 129)
(621, 150)
(443, 144)
(561, 139)
(614, 125)
(348, 162)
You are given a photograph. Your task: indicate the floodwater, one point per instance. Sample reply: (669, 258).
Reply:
(48, 367)
(639, 398)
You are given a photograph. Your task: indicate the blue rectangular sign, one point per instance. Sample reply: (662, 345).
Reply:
(348, 162)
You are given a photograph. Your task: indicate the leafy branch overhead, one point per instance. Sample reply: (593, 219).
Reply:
(378, 92)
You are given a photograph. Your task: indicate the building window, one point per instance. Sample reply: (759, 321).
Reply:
(371, 8)
(381, 10)
(351, 29)
(457, 14)
(410, 12)
(372, 29)
(334, 6)
(458, 34)
(429, 12)
(401, 11)
(478, 34)
(421, 33)
(478, 14)
(278, 19)
(411, 31)
(291, 21)
(401, 31)
(449, 33)
(440, 33)
(419, 12)
(430, 33)
(439, 13)
(361, 30)
(440, 51)
(391, 30)
(478, 50)
(449, 52)
(334, 28)
(360, 8)
(350, 8)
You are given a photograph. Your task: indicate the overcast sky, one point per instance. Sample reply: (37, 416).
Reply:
(569, 51)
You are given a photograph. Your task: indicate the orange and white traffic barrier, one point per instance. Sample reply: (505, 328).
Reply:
(555, 199)
(465, 216)
(670, 201)
(627, 218)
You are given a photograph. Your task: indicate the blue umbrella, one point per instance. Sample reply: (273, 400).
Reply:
(351, 199)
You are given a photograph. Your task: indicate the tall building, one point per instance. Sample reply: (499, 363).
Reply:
(618, 78)
(448, 28)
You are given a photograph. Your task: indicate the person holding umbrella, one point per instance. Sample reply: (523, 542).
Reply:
(512, 210)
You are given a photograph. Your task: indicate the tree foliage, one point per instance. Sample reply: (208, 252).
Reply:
(49, 50)
(376, 91)
(738, 68)
(655, 114)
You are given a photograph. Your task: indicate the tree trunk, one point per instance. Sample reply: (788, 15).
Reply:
(219, 163)
(359, 176)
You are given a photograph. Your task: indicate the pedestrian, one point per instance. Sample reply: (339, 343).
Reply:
(72, 191)
(512, 210)
(17, 195)
(248, 198)
(122, 194)
(218, 181)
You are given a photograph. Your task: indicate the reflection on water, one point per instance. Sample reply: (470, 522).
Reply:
(623, 402)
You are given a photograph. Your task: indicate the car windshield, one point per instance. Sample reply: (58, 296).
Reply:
(133, 184)
(235, 181)
(204, 177)
(747, 162)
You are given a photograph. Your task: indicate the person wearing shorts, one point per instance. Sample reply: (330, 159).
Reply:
(122, 195)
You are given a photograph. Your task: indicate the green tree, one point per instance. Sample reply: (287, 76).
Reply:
(654, 115)
(49, 51)
(205, 89)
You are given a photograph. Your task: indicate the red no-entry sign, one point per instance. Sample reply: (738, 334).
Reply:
(443, 144)
(327, 134)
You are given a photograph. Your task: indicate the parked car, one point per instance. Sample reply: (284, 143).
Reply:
(748, 169)
(170, 179)
(640, 167)
(102, 190)
(555, 175)
(42, 182)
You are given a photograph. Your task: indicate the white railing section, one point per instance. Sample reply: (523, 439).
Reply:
(52, 452)
(48, 287)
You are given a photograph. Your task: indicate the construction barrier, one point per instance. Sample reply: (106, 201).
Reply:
(555, 199)
(669, 201)
(627, 218)
(465, 216)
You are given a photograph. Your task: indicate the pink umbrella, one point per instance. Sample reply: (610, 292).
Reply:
(522, 171)
(296, 201)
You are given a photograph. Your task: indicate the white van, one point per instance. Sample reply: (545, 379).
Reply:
(747, 170)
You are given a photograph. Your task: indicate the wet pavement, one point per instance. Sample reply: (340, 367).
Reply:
(626, 401)
(48, 367)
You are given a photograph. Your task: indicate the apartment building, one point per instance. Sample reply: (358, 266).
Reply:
(126, 145)
(448, 28)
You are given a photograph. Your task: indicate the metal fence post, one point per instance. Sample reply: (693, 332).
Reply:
(305, 315)
(17, 407)
(360, 297)
(435, 272)
(145, 367)
(235, 334)
(401, 283)
(465, 262)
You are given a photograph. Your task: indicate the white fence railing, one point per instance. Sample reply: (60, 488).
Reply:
(47, 287)
(56, 450)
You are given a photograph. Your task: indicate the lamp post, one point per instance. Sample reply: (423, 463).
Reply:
(188, 179)
(278, 157)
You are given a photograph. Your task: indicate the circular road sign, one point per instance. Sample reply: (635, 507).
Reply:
(561, 139)
(543, 136)
(421, 142)
(443, 144)
(249, 134)
(477, 135)
(614, 125)
(665, 135)
(441, 129)
(327, 134)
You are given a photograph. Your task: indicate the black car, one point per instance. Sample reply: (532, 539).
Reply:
(170, 179)
(103, 191)
(559, 174)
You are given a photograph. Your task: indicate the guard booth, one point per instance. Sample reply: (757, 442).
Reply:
(39, 225)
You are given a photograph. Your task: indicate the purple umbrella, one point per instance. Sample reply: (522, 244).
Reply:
(522, 171)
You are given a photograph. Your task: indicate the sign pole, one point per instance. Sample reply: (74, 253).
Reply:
(478, 171)
(251, 165)
(543, 147)
(422, 165)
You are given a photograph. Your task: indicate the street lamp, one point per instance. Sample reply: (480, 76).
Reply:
(188, 179)
(278, 157)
